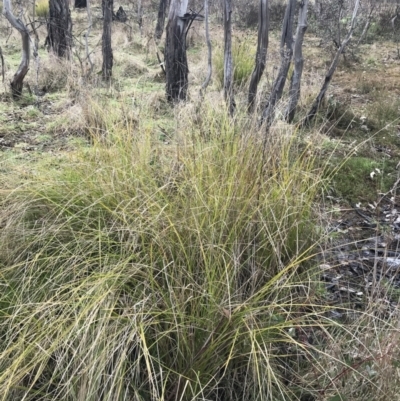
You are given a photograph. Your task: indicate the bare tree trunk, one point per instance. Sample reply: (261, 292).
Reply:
(176, 66)
(89, 66)
(366, 26)
(328, 77)
(140, 16)
(2, 64)
(294, 91)
(162, 11)
(261, 55)
(209, 48)
(228, 63)
(18, 80)
(106, 45)
(286, 50)
(59, 28)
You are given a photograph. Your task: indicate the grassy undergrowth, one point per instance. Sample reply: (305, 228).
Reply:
(172, 255)
(145, 270)
(173, 270)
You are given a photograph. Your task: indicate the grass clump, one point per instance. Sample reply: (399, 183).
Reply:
(146, 270)
(384, 112)
(243, 63)
(42, 8)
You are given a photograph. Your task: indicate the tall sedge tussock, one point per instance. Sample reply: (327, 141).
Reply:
(146, 270)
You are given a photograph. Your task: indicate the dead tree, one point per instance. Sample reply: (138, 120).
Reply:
(209, 49)
(106, 40)
(261, 55)
(59, 28)
(328, 77)
(295, 81)
(162, 11)
(228, 63)
(18, 79)
(286, 52)
(176, 65)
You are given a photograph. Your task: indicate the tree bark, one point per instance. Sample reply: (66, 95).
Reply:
(59, 28)
(209, 49)
(18, 79)
(228, 63)
(328, 77)
(286, 51)
(176, 66)
(261, 55)
(294, 90)
(106, 39)
(162, 11)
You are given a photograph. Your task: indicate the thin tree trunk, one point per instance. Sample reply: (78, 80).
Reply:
(162, 11)
(209, 48)
(366, 26)
(89, 67)
(106, 45)
(294, 90)
(328, 77)
(59, 28)
(318, 9)
(2, 64)
(286, 50)
(176, 66)
(18, 80)
(140, 17)
(261, 55)
(228, 63)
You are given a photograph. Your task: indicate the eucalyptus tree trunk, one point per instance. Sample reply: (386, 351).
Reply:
(328, 77)
(106, 39)
(59, 28)
(176, 65)
(209, 49)
(261, 55)
(18, 79)
(286, 51)
(228, 63)
(162, 11)
(294, 90)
